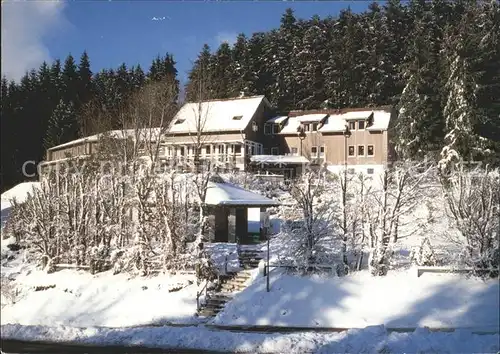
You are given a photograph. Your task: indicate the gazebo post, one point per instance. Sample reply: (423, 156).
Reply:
(221, 224)
(242, 224)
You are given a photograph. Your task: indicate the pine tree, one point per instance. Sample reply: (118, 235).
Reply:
(308, 64)
(201, 80)
(487, 68)
(241, 71)
(420, 124)
(62, 127)
(70, 80)
(138, 77)
(221, 68)
(469, 108)
(84, 80)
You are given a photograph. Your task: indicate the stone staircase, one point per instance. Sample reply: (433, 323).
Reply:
(231, 283)
(249, 258)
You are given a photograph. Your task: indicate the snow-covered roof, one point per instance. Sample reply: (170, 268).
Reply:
(117, 134)
(381, 120)
(293, 123)
(278, 119)
(218, 115)
(278, 159)
(337, 122)
(317, 117)
(230, 194)
(291, 126)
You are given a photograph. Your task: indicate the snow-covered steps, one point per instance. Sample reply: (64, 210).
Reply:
(231, 283)
(249, 258)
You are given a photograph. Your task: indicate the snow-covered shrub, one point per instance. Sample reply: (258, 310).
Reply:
(424, 255)
(401, 188)
(313, 237)
(8, 291)
(473, 201)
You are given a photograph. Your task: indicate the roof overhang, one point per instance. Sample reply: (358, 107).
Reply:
(278, 160)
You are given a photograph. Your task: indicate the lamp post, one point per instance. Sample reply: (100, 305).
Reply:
(347, 134)
(302, 136)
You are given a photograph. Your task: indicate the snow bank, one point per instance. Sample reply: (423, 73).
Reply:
(19, 192)
(398, 300)
(366, 340)
(77, 298)
(218, 253)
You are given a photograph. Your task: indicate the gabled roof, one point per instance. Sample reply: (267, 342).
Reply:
(218, 115)
(278, 119)
(230, 194)
(293, 123)
(336, 123)
(116, 134)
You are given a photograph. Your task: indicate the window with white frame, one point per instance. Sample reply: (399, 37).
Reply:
(294, 151)
(351, 150)
(237, 149)
(315, 127)
(181, 151)
(352, 125)
(361, 150)
(306, 127)
(275, 151)
(207, 149)
(322, 151)
(361, 124)
(314, 151)
(267, 129)
(370, 150)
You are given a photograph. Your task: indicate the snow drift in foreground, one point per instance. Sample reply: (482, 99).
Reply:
(77, 298)
(397, 300)
(367, 340)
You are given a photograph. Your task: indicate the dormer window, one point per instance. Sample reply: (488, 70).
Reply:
(306, 127)
(361, 124)
(352, 125)
(237, 117)
(315, 127)
(179, 121)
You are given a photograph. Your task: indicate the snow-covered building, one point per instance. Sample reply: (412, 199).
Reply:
(227, 131)
(244, 133)
(357, 139)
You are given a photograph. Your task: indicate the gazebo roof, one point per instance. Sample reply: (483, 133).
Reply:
(222, 194)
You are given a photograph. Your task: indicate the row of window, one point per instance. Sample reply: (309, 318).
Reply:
(369, 151)
(272, 128)
(180, 150)
(357, 125)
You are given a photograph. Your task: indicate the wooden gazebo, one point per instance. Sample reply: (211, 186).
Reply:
(226, 202)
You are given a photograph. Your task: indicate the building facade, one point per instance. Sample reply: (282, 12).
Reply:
(244, 133)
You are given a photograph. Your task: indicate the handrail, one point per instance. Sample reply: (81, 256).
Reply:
(198, 294)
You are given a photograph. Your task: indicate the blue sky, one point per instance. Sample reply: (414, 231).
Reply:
(113, 32)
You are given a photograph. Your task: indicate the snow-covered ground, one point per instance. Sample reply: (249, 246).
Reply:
(370, 340)
(75, 305)
(77, 298)
(397, 300)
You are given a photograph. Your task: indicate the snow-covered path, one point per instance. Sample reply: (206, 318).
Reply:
(368, 340)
